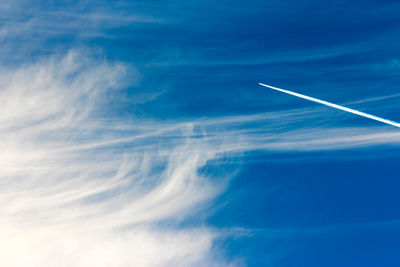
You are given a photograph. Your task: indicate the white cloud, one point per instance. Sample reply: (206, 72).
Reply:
(30, 29)
(81, 189)
(83, 246)
(71, 182)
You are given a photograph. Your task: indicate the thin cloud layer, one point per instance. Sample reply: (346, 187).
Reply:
(83, 186)
(77, 190)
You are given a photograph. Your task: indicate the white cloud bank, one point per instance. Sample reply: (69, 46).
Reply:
(78, 188)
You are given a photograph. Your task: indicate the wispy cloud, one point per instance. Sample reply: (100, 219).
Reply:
(28, 28)
(80, 188)
(295, 232)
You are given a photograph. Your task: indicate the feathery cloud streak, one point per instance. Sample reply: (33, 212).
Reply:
(76, 183)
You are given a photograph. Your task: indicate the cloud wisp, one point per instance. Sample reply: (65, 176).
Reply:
(79, 189)
(81, 185)
(326, 103)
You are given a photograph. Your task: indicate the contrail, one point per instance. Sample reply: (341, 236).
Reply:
(396, 124)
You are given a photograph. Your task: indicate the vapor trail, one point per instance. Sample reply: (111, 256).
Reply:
(396, 124)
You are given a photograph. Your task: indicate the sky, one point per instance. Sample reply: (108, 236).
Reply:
(135, 133)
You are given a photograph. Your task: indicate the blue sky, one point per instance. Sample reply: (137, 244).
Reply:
(134, 133)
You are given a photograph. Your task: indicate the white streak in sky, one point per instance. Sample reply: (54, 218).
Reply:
(363, 114)
(81, 185)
